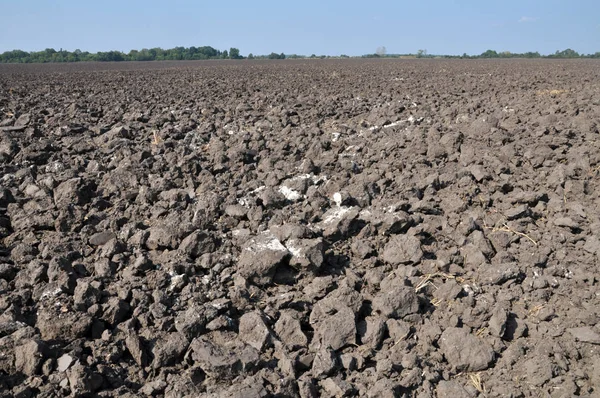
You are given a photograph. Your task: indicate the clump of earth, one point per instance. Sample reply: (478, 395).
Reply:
(357, 228)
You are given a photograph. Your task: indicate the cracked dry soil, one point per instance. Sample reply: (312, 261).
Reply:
(369, 228)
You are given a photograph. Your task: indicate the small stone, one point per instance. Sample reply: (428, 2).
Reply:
(452, 389)
(585, 334)
(496, 274)
(396, 223)
(592, 244)
(384, 388)
(29, 357)
(23, 120)
(336, 387)
(289, 231)
(566, 222)
(191, 322)
(306, 388)
(464, 351)
(72, 192)
(335, 331)
(398, 329)
(135, 348)
(115, 311)
(62, 326)
(371, 331)
(153, 388)
(236, 211)
(260, 257)
(168, 351)
(86, 294)
(306, 252)
(348, 361)
(412, 379)
(223, 359)
(196, 244)
(324, 363)
(517, 212)
(64, 362)
(402, 249)
(82, 380)
(101, 238)
(537, 371)
(497, 323)
(362, 248)
(289, 330)
(479, 173)
(271, 198)
(339, 221)
(397, 302)
(253, 330)
(161, 237)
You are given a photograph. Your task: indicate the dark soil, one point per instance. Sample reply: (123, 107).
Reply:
(300, 229)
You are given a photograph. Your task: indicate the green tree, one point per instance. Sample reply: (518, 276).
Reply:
(234, 53)
(489, 54)
(568, 53)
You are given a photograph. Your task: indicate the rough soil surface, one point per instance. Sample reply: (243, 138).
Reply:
(300, 229)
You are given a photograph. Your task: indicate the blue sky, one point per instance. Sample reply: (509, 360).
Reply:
(303, 27)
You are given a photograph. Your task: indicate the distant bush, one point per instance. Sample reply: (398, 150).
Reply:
(276, 56)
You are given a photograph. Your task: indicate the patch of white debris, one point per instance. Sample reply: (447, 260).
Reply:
(336, 214)
(175, 280)
(335, 136)
(296, 252)
(411, 119)
(51, 293)
(290, 194)
(243, 202)
(266, 242)
(337, 198)
(315, 179)
(246, 200)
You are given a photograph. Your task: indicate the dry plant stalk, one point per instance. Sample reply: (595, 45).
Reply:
(593, 171)
(426, 280)
(436, 302)
(536, 309)
(552, 93)
(156, 140)
(506, 228)
(475, 379)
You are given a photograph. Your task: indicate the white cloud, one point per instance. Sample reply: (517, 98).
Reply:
(528, 19)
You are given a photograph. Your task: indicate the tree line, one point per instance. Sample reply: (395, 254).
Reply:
(568, 53)
(152, 54)
(208, 52)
